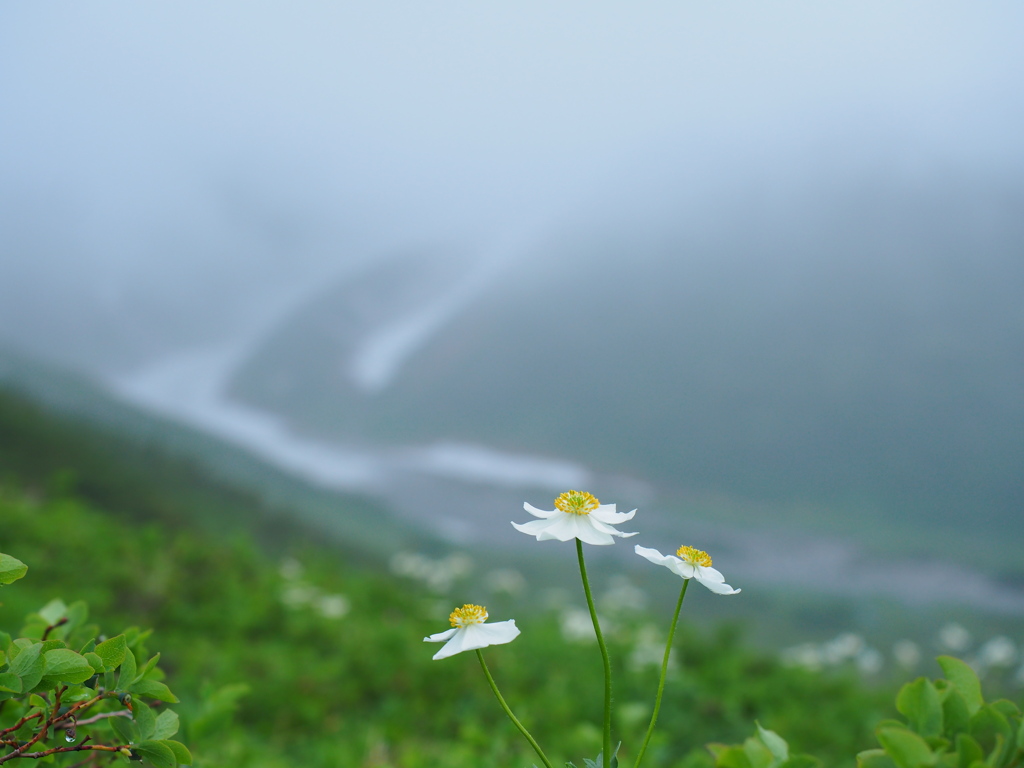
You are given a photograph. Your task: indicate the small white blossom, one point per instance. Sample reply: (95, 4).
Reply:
(689, 563)
(332, 606)
(906, 653)
(577, 515)
(1000, 651)
(954, 637)
(469, 632)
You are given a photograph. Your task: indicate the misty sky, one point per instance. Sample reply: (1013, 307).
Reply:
(195, 165)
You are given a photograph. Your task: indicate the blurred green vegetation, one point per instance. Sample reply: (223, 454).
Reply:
(317, 647)
(361, 689)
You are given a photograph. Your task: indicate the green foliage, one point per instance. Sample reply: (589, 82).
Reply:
(268, 683)
(11, 569)
(49, 690)
(949, 724)
(765, 749)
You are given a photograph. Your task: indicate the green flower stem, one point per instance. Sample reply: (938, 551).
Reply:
(664, 671)
(504, 706)
(606, 748)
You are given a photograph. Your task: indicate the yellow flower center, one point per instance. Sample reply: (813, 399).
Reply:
(694, 556)
(577, 503)
(468, 614)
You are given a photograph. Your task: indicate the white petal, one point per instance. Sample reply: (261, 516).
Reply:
(606, 514)
(498, 633)
(538, 512)
(561, 527)
(440, 637)
(476, 636)
(655, 556)
(719, 588)
(707, 573)
(684, 569)
(534, 527)
(611, 530)
(453, 646)
(589, 534)
(714, 581)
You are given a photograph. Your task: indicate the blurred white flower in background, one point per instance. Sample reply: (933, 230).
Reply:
(332, 606)
(869, 661)
(507, 580)
(954, 637)
(841, 648)
(623, 596)
(999, 651)
(438, 575)
(845, 648)
(805, 655)
(649, 650)
(907, 653)
(577, 626)
(299, 594)
(290, 569)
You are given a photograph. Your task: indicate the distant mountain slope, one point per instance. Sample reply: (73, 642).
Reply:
(859, 347)
(59, 428)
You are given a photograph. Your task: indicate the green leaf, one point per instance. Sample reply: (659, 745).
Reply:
(10, 682)
(160, 755)
(993, 732)
(964, 680)
(733, 757)
(11, 569)
(149, 665)
(181, 753)
(874, 758)
(62, 665)
(968, 751)
(1007, 707)
(155, 690)
(53, 611)
(126, 729)
(166, 725)
(29, 666)
(144, 718)
(906, 748)
(775, 743)
(95, 661)
(955, 716)
(802, 761)
(919, 703)
(127, 676)
(112, 651)
(758, 753)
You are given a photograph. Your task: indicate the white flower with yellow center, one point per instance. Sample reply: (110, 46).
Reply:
(690, 563)
(469, 632)
(577, 515)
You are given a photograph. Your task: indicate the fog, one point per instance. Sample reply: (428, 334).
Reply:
(188, 166)
(232, 213)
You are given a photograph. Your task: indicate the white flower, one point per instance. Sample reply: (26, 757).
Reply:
(690, 563)
(469, 632)
(577, 515)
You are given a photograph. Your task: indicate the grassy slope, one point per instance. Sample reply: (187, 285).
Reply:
(129, 537)
(130, 461)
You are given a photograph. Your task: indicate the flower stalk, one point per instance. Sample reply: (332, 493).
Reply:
(508, 711)
(606, 743)
(664, 672)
